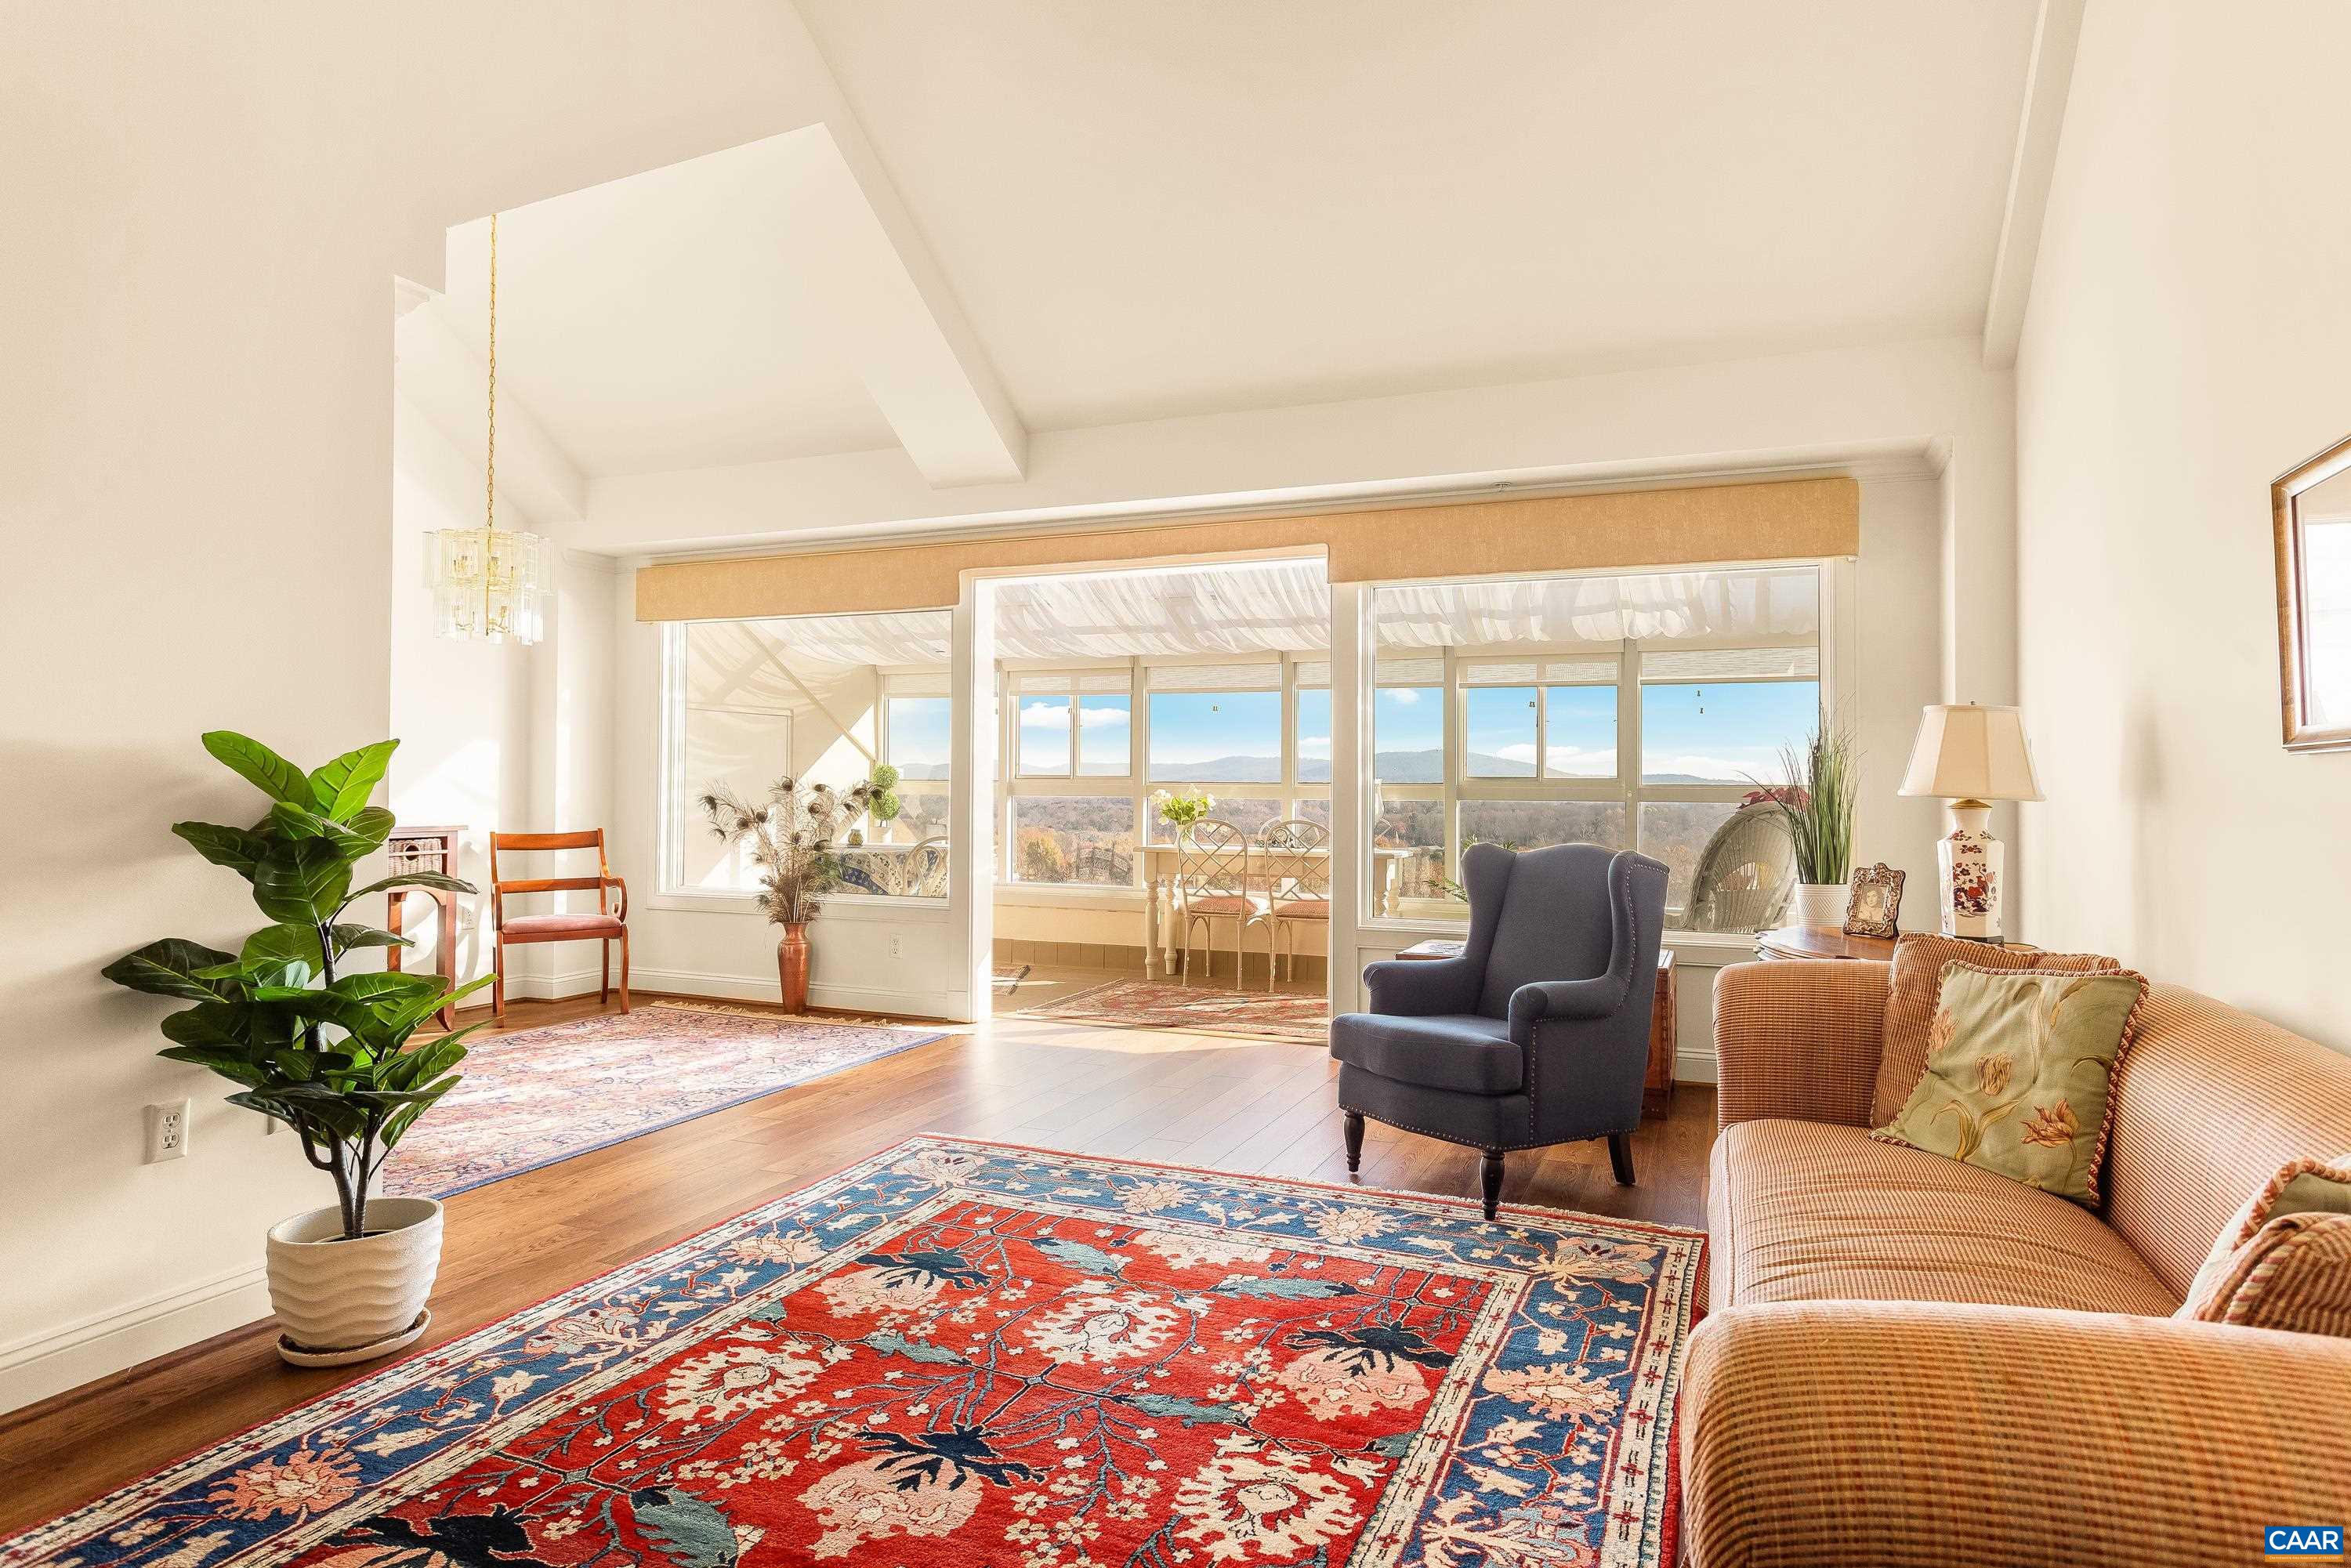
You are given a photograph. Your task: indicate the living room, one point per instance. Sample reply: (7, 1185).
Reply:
(1121, 626)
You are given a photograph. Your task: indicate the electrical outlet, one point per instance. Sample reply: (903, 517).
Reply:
(897, 946)
(167, 1130)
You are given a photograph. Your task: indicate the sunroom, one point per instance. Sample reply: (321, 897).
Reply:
(1637, 709)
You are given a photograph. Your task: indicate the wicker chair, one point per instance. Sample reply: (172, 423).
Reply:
(1745, 874)
(1213, 884)
(1297, 893)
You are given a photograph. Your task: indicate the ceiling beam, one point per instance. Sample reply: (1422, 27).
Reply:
(2049, 76)
(906, 339)
(909, 339)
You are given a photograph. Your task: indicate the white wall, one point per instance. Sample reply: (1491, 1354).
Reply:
(205, 208)
(462, 710)
(2186, 342)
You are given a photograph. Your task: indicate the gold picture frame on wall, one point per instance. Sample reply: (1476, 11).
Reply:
(2310, 511)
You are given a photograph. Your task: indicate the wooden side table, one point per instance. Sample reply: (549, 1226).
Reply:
(1829, 942)
(426, 849)
(1658, 1083)
(1657, 1088)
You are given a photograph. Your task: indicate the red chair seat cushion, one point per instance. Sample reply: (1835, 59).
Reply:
(584, 924)
(1303, 909)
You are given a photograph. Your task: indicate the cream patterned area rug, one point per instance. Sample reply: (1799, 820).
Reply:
(1201, 1010)
(956, 1353)
(540, 1096)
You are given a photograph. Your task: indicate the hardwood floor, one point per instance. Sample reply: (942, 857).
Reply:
(1267, 1107)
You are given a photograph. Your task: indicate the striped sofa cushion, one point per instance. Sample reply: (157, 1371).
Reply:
(1810, 1211)
(1917, 979)
(2284, 1260)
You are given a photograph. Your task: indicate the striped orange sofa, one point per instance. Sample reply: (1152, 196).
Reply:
(1909, 1360)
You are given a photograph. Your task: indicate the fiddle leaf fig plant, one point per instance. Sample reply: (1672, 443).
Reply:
(326, 1053)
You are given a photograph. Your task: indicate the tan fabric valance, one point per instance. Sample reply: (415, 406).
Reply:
(1787, 520)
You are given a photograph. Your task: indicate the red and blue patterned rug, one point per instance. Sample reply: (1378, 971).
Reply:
(957, 1353)
(540, 1096)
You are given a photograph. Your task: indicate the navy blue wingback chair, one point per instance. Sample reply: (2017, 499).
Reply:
(1538, 1034)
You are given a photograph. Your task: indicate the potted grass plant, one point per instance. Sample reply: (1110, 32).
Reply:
(792, 834)
(318, 1043)
(1816, 805)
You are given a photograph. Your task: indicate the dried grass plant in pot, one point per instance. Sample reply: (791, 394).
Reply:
(793, 832)
(317, 1043)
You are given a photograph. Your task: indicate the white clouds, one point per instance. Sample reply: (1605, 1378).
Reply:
(1314, 746)
(1522, 752)
(1056, 715)
(1403, 697)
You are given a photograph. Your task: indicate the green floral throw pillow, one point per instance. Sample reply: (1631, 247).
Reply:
(2018, 1066)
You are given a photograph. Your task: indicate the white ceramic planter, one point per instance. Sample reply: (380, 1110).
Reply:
(331, 1295)
(1821, 903)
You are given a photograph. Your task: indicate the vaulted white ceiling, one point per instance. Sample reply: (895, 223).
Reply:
(1159, 209)
(1059, 214)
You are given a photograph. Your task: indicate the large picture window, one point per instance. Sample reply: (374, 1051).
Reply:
(1632, 712)
(818, 699)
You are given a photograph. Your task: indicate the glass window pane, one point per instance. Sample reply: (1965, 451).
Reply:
(1105, 736)
(1249, 813)
(1724, 733)
(1747, 867)
(1313, 735)
(922, 814)
(1073, 839)
(1044, 736)
(741, 753)
(1215, 738)
(1533, 824)
(1579, 732)
(919, 736)
(1315, 809)
(1408, 845)
(1499, 735)
(1408, 735)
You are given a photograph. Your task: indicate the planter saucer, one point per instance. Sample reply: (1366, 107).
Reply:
(298, 1355)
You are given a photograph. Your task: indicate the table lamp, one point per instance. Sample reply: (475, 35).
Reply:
(1971, 756)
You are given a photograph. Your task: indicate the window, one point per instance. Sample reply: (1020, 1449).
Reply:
(1218, 727)
(1630, 711)
(1070, 806)
(734, 733)
(1313, 732)
(1086, 839)
(917, 739)
(748, 703)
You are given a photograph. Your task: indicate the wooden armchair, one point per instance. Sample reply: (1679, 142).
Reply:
(606, 923)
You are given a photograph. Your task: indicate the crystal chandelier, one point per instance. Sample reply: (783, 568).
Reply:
(488, 585)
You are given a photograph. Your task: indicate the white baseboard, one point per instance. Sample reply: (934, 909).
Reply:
(1694, 1067)
(910, 1001)
(33, 1368)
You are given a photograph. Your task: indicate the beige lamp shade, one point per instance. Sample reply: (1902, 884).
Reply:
(1968, 752)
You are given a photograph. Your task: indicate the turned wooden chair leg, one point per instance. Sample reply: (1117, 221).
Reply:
(1354, 1134)
(1620, 1157)
(604, 984)
(625, 965)
(1490, 1181)
(498, 980)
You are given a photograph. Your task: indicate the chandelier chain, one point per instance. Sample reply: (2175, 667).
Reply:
(490, 456)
